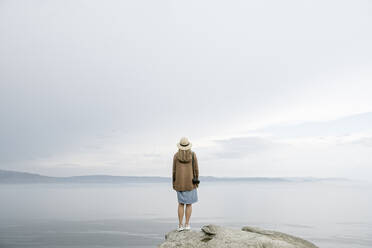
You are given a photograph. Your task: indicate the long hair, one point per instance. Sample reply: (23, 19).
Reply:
(184, 155)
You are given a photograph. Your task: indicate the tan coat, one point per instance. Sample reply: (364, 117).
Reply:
(182, 173)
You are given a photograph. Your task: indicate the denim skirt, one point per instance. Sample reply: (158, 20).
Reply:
(187, 197)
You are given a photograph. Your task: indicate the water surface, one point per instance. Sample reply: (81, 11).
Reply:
(329, 214)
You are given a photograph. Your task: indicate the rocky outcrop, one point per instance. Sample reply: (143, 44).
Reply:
(218, 236)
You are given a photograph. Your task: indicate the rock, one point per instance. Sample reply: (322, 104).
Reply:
(218, 236)
(209, 229)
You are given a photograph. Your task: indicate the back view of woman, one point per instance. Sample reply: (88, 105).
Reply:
(185, 168)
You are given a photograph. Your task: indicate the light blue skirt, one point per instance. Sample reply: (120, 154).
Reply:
(187, 197)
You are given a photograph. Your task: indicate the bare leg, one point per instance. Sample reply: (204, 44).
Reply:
(180, 213)
(188, 213)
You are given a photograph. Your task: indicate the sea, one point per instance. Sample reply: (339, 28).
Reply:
(330, 214)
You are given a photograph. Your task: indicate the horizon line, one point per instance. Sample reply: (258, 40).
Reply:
(222, 177)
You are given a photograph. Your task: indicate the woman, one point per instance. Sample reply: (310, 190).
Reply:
(185, 168)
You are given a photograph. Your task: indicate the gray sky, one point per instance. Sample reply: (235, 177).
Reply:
(261, 88)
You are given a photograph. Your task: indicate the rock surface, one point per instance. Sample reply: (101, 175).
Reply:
(218, 236)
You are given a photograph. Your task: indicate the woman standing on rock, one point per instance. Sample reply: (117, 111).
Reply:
(185, 175)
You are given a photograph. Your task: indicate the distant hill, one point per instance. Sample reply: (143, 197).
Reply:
(7, 176)
(16, 177)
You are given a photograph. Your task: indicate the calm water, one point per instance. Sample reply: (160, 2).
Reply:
(329, 214)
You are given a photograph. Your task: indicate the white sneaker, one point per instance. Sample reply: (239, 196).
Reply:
(180, 228)
(187, 227)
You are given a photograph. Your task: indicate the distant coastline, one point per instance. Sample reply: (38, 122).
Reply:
(18, 177)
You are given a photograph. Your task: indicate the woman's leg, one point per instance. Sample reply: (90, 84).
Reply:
(188, 213)
(180, 213)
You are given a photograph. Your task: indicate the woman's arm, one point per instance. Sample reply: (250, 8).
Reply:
(174, 170)
(196, 166)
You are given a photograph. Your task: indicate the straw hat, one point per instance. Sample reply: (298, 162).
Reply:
(184, 144)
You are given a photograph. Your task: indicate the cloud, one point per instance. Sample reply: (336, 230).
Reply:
(365, 141)
(120, 85)
(152, 155)
(338, 127)
(240, 147)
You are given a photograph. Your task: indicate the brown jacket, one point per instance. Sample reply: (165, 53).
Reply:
(182, 173)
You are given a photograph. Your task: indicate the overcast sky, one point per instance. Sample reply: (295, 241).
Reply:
(261, 88)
